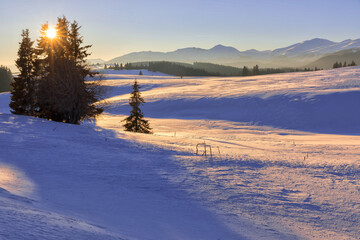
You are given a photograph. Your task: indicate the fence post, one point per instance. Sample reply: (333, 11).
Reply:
(205, 148)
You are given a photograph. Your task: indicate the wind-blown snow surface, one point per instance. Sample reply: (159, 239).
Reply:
(268, 178)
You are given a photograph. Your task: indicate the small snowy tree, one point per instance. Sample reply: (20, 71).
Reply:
(136, 122)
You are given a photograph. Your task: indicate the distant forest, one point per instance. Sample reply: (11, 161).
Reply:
(5, 79)
(203, 69)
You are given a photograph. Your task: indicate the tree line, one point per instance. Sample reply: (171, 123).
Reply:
(5, 79)
(340, 65)
(126, 66)
(52, 81)
(203, 69)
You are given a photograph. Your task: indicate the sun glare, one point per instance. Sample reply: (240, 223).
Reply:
(51, 33)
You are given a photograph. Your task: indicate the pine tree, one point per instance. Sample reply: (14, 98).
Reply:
(256, 70)
(136, 122)
(77, 52)
(22, 93)
(245, 71)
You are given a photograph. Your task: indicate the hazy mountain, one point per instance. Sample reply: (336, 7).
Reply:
(218, 53)
(328, 60)
(295, 55)
(316, 46)
(307, 47)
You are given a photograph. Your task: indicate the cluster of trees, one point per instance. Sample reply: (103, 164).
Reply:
(210, 69)
(340, 65)
(177, 69)
(51, 83)
(126, 66)
(5, 79)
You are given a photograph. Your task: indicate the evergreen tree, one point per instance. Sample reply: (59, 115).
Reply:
(256, 70)
(345, 65)
(22, 93)
(245, 71)
(77, 52)
(136, 122)
(352, 63)
(336, 65)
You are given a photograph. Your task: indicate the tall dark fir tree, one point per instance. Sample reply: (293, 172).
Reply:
(23, 86)
(136, 122)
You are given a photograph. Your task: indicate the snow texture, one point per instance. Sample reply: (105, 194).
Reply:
(285, 162)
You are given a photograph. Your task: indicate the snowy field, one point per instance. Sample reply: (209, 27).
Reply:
(285, 164)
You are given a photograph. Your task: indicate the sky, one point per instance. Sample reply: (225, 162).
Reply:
(118, 27)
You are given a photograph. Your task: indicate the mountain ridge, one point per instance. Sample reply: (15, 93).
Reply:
(298, 54)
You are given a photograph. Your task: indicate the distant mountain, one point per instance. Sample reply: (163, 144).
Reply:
(307, 47)
(316, 46)
(328, 60)
(216, 54)
(295, 55)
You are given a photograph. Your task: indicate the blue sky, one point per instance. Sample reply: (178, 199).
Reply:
(117, 27)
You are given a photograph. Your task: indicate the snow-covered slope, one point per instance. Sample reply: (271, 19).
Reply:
(265, 180)
(316, 46)
(322, 101)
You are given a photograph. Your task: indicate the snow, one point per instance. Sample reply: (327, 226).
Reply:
(276, 173)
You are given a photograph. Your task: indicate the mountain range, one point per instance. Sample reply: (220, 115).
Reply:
(296, 55)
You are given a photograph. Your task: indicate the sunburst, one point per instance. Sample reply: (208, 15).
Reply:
(51, 33)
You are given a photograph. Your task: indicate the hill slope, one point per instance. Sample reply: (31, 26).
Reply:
(328, 60)
(264, 179)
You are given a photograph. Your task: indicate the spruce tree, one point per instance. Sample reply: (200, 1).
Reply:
(22, 93)
(245, 71)
(136, 122)
(77, 52)
(256, 70)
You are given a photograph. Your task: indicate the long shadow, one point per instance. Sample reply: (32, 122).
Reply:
(336, 113)
(49, 152)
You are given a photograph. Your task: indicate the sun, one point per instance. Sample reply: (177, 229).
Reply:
(51, 33)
